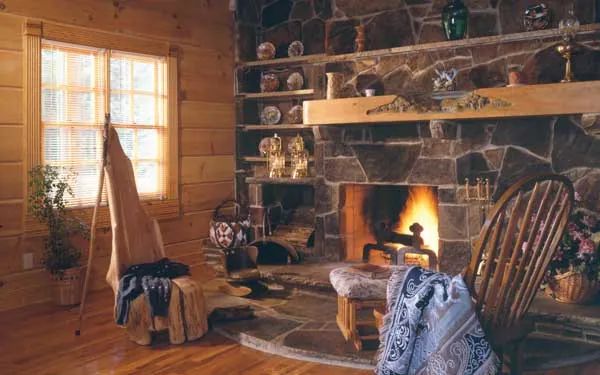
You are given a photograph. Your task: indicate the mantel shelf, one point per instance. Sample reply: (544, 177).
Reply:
(277, 94)
(521, 101)
(282, 180)
(290, 127)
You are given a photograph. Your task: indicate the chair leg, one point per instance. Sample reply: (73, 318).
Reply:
(516, 358)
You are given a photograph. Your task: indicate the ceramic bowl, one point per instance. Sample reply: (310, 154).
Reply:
(295, 81)
(265, 51)
(270, 115)
(269, 83)
(296, 48)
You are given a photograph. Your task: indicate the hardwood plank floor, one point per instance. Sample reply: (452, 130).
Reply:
(39, 340)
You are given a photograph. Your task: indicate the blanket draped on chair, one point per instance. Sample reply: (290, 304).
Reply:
(432, 328)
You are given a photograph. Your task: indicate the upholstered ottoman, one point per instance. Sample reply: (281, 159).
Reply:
(358, 290)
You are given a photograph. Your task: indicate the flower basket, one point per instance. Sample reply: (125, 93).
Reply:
(573, 287)
(66, 286)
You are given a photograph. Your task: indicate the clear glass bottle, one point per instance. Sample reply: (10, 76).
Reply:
(569, 25)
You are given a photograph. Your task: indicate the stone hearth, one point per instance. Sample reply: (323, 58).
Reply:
(408, 154)
(295, 317)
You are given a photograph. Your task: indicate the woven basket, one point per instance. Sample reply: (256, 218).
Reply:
(572, 287)
(66, 286)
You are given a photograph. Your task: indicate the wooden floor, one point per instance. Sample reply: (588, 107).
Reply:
(40, 340)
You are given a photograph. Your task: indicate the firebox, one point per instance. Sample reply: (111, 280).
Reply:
(376, 221)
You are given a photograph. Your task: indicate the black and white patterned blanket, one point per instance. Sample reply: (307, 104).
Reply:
(432, 328)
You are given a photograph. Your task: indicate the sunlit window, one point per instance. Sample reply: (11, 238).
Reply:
(79, 85)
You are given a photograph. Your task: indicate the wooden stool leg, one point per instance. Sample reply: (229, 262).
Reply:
(354, 334)
(342, 317)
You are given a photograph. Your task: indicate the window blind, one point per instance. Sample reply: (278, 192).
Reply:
(79, 85)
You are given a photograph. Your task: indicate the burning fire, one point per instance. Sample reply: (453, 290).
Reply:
(421, 207)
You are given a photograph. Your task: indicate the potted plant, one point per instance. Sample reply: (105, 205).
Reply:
(573, 274)
(48, 188)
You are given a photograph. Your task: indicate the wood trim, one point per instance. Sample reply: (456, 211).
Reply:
(32, 101)
(102, 39)
(173, 123)
(166, 209)
(521, 101)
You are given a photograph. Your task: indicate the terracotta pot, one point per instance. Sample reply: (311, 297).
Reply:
(66, 286)
(571, 287)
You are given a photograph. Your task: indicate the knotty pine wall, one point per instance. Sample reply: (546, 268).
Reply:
(204, 32)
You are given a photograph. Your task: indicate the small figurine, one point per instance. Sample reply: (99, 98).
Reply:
(445, 80)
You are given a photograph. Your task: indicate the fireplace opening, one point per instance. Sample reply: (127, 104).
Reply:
(286, 224)
(379, 220)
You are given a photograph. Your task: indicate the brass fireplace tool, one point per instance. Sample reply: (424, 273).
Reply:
(479, 193)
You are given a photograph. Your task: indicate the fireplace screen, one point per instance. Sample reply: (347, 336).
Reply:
(387, 218)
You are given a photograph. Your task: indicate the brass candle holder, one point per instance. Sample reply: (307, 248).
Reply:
(275, 157)
(299, 158)
(568, 26)
(567, 49)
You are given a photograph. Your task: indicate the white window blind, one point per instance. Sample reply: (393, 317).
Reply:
(79, 85)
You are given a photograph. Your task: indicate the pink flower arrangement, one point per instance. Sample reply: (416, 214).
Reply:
(579, 248)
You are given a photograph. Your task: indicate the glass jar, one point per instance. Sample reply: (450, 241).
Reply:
(455, 20)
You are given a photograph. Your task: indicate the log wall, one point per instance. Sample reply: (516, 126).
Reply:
(202, 29)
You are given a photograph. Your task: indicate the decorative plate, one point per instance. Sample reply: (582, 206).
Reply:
(264, 145)
(265, 51)
(270, 115)
(295, 115)
(296, 48)
(295, 81)
(269, 83)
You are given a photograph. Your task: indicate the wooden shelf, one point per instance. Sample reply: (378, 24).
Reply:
(283, 61)
(277, 94)
(275, 127)
(260, 159)
(282, 181)
(472, 42)
(520, 101)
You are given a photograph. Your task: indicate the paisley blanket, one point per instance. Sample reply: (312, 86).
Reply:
(432, 328)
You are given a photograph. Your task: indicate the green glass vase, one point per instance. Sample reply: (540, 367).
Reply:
(455, 20)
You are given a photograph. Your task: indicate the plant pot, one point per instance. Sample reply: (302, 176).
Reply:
(66, 286)
(572, 287)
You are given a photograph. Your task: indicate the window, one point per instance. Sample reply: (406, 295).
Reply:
(78, 85)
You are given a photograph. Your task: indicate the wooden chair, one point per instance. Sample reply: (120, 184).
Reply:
(515, 246)
(136, 238)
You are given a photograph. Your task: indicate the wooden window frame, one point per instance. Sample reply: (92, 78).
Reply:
(33, 33)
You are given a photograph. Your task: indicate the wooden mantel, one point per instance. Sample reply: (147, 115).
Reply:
(519, 101)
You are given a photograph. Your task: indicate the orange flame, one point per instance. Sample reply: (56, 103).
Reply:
(421, 207)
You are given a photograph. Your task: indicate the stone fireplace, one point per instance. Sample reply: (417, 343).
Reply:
(406, 154)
